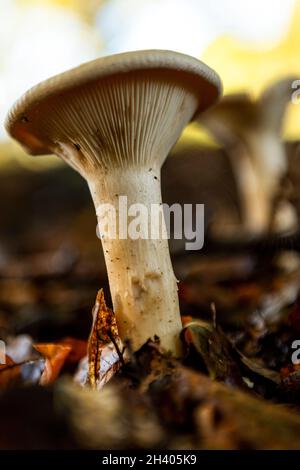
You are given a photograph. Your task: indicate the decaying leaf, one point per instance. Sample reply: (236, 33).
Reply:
(82, 372)
(104, 344)
(78, 349)
(214, 349)
(290, 377)
(12, 374)
(9, 373)
(55, 355)
(23, 366)
(256, 367)
(220, 417)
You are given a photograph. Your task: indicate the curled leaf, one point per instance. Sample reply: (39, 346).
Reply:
(55, 355)
(104, 344)
(256, 367)
(215, 351)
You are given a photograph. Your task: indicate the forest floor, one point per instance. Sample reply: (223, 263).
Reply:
(64, 384)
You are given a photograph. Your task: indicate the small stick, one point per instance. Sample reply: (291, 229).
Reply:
(120, 354)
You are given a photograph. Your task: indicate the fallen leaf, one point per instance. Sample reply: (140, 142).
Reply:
(8, 362)
(55, 355)
(221, 417)
(82, 372)
(104, 344)
(25, 373)
(186, 319)
(78, 349)
(9, 373)
(259, 369)
(210, 343)
(290, 377)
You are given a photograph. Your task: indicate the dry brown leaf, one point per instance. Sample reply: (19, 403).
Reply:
(27, 372)
(221, 417)
(55, 355)
(103, 345)
(78, 349)
(9, 372)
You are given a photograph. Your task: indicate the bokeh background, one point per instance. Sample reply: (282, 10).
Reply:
(50, 259)
(241, 160)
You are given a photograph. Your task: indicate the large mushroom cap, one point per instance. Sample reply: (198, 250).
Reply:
(30, 119)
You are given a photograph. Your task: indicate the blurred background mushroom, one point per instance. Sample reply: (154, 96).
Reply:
(250, 132)
(249, 53)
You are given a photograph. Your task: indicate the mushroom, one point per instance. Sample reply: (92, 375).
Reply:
(114, 120)
(250, 131)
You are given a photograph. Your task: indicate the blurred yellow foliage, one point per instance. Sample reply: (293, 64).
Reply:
(195, 134)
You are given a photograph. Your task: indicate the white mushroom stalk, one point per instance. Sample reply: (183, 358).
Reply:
(115, 120)
(250, 131)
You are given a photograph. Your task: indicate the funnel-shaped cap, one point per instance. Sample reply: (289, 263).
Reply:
(124, 109)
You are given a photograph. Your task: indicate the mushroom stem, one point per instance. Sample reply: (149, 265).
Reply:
(142, 282)
(250, 130)
(114, 120)
(255, 202)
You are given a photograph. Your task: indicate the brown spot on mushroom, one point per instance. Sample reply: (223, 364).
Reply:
(153, 274)
(138, 287)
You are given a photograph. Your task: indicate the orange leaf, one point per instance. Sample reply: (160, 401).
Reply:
(55, 355)
(9, 373)
(78, 349)
(8, 362)
(186, 319)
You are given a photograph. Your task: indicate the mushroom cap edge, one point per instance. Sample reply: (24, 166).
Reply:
(104, 67)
